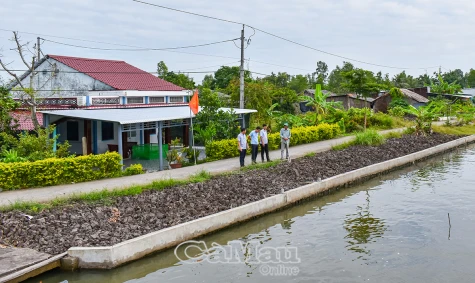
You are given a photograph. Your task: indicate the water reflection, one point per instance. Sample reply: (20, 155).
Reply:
(363, 228)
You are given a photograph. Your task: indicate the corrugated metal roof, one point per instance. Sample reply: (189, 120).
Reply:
(410, 94)
(135, 115)
(415, 96)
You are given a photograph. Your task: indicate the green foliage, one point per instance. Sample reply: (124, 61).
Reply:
(55, 171)
(319, 102)
(134, 169)
(459, 131)
(470, 78)
(393, 135)
(173, 154)
(443, 87)
(7, 122)
(10, 156)
(225, 75)
(35, 146)
(381, 120)
(402, 80)
(336, 80)
(369, 138)
(178, 79)
(211, 122)
(300, 135)
(298, 83)
(409, 131)
(191, 154)
(397, 111)
(424, 118)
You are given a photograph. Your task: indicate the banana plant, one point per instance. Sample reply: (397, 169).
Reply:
(424, 117)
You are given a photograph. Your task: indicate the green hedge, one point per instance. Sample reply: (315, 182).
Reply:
(228, 148)
(56, 171)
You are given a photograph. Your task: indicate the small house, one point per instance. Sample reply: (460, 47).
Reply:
(381, 104)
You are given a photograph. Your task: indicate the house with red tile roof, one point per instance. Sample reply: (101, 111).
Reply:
(72, 82)
(102, 105)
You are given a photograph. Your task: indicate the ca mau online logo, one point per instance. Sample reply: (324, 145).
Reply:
(236, 252)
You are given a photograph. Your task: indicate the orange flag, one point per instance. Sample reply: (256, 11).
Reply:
(194, 103)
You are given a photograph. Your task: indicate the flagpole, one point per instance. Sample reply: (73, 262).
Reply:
(192, 136)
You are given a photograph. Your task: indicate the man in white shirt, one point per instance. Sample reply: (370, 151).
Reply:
(242, 146)
(264, 143)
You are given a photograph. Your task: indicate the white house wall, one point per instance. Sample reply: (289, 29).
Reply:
(67, 82)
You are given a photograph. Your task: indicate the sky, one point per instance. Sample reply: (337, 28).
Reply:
(411, 34)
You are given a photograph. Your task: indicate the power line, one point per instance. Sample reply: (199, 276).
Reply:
(339, 56)
(282, 38)
(116, 44)
(206, 67)
(141, 49)
(190, 13)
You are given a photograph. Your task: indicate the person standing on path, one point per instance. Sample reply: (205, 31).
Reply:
(264, 143)
(242, 146)
(284, 141)
(254, 135)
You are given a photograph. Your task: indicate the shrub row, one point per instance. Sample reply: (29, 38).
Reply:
(228, 148)
(55, 171)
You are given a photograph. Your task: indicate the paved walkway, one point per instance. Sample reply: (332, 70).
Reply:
(50, 193)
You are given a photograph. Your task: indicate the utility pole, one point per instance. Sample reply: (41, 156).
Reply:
(38, 49)
(241, 89)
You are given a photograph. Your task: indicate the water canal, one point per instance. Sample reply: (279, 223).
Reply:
(393, 228)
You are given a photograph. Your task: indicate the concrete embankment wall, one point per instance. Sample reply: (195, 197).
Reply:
(113, 256)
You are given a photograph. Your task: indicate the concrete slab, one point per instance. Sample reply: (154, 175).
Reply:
(13, 259)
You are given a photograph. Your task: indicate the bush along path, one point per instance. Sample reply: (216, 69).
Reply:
(80, 223)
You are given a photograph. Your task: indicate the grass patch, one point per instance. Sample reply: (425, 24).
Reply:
(105, 197)
(455, 130)
(343, 145)
(310, 154)
(261, 165)
(370, 137)
(393, 135)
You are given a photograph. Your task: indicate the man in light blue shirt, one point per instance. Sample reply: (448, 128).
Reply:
(254, 143)
(284, 141)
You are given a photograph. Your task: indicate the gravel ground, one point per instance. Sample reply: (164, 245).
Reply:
(81, 224)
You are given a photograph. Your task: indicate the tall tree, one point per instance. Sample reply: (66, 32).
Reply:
(8, 124)
(298, 83)
(208, 81)
(402, 80)
(470, 78)
(25, 92)
(321, 72)
(178, 79)
(455, 76)
(336, 81)
(363, 83)
(224, 75)
(423, 80)
(162, 69)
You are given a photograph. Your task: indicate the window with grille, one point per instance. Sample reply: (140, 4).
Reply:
(134, 100)
(156, 99)
(175, 99)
